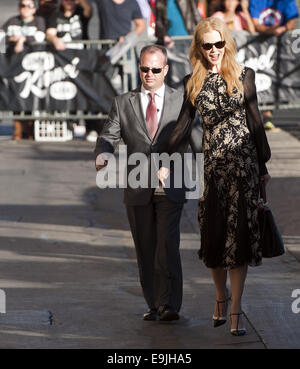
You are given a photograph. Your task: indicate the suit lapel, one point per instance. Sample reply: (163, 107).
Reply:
(136, 105)
(165, 115)
(166, 112)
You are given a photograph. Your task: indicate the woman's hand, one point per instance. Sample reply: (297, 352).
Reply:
(163, 174)
(265, 178)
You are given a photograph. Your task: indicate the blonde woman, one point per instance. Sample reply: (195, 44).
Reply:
(235, 151)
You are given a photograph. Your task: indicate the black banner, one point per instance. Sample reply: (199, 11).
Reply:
(51, 80)
(73, 80)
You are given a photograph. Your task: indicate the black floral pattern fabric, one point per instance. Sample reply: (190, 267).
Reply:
(227, 211)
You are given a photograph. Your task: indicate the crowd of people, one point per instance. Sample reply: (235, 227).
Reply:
(62, 21)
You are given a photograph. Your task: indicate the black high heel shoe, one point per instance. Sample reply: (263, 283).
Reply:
(237, 331)
(220, 320)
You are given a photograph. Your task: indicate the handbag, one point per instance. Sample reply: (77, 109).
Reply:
(270, 237)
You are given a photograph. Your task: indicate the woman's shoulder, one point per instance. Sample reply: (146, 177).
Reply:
(186, 78)
(246, 71)
(219, 15)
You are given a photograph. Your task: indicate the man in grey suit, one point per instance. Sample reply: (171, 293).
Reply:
(144, 119)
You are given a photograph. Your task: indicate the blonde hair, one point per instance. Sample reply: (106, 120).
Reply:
(230, 68)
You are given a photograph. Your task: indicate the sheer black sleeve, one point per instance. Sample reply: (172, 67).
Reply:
(184, 124)
(254, 121)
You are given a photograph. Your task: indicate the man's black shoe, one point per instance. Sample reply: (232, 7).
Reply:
(167, 314)
(150, 315)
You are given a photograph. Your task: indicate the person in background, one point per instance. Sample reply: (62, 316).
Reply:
(25, 27)
(236, 15)
(21, 30)
(69, 23)
(152, 4)
(213, 6)
(46, 8)
(148, 11)
(273, 17)
(202, 8)
(175, 18)
(116, 17)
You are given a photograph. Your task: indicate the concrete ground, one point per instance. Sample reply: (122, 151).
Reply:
(68, 267)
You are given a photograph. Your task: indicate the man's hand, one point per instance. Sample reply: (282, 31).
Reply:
(163, 174)
(168, 42)
(279, 30)
(101, 161)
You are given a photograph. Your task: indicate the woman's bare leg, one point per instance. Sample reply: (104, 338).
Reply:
(220, 278)
(237, 282)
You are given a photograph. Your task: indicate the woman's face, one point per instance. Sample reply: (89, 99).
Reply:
(213, 55)
(231, 5)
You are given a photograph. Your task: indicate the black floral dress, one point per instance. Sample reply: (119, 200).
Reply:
(235, 151)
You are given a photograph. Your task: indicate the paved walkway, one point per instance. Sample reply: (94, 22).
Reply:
(68, 264)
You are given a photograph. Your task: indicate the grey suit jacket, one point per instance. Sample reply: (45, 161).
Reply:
(126, 121)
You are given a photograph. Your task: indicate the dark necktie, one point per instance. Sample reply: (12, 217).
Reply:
(151, 115)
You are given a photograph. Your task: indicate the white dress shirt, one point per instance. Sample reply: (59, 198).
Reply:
(159, 102)
(158, 97)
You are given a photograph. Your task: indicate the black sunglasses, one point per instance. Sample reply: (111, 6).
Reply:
(153, 70)
(30, 6)
(218, 45)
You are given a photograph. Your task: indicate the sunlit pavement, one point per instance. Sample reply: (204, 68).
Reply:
(68, 266)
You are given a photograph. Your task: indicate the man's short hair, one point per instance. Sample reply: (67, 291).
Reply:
(154, 49)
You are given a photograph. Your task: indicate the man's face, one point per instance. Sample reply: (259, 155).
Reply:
(27, 8)
(156, 61)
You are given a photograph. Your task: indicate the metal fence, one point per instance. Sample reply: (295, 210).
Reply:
(129, 81)
(128, 77)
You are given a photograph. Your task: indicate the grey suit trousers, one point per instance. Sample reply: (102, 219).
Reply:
(157, 249)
